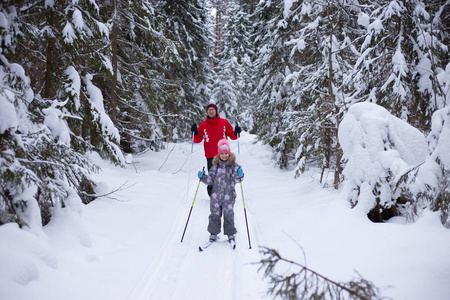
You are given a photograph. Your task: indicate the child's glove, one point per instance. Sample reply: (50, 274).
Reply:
(240, 173)
(201, 174)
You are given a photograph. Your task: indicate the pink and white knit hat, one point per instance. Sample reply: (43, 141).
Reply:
(224, 146)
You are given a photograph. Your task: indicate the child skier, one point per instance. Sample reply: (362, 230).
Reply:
(223, 176)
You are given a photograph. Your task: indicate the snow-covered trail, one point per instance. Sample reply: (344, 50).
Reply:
(179, 270)
(128, 247)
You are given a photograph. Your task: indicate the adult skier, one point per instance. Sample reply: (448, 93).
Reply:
(211, 131)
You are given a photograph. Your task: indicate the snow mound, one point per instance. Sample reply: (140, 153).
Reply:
(378, 147)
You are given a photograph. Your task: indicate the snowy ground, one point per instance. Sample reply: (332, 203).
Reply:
(129, 247)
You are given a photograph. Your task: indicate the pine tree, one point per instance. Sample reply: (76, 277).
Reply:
(233, 84)
(323, 53)
(186, 24)
(305, 58)
(139, 85)
(427, 185)
(43, 159)
(245, 52)
(65, 41)
(402, 54)
(272, 66)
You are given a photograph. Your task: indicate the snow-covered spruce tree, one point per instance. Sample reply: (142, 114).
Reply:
(64, 115)
(272, 66)
(65, 41)
(304, 61)
(139, 87)
(379, 148)
(186, 22)
(232, 80)
(430, 19)
(38, 168)
(245, 51)
(428, 185)
(247, 6)
(402, 55)
(324, 52)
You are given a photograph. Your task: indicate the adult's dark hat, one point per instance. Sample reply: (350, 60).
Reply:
(211, 105)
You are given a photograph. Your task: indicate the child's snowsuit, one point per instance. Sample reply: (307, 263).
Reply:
(223, 177)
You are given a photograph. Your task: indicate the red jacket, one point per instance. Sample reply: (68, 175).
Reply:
(212, 131)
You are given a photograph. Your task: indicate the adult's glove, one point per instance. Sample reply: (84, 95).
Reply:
(194, 129)
(201, 174)
(237, 130)
(240, 173)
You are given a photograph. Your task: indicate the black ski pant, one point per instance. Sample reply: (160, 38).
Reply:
(209, 161)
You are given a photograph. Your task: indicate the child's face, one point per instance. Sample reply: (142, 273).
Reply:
(224, 156)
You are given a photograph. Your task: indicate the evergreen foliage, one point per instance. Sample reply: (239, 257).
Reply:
(272, 67)
(80, 84)
(233, 85)
(159, 71)
(303, 283)
(428, 184)
(120, 76)
(402, 52)
(186, 23)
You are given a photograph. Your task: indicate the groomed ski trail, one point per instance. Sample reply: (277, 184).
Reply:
(180, 271)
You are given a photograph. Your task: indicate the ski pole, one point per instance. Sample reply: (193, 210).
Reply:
(190, 211)
(239, 150)
(245, 213)
(189, 170)
(242, 192)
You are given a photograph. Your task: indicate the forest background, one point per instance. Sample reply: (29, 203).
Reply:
(120, 77)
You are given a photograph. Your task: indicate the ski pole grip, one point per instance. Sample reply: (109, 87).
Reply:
(203, 172)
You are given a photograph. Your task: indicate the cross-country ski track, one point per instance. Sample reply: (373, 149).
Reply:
(179, 270)
(126, 245)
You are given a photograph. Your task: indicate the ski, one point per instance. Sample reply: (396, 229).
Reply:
(200, 248)
(232, 243)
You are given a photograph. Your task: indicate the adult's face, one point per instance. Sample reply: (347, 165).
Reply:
(211, 112)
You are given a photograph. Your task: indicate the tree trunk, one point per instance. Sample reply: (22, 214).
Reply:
(338, 169)
(114, 34)
(49, 59)
(338, 151)
(218, 31)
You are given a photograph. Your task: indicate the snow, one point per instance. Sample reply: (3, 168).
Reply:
(69, 33)
(103, 28)
(49, 3)
(393, 9)
(55, 122)
(13, 103)
(430, 173)
(376, 26)
(363, 19)
(287, 7)
(439, 138)
(3, 21)
(96, 100)
(377, 146)
(8, 118)
(74, 87)
(77, 19)
(127, 245)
